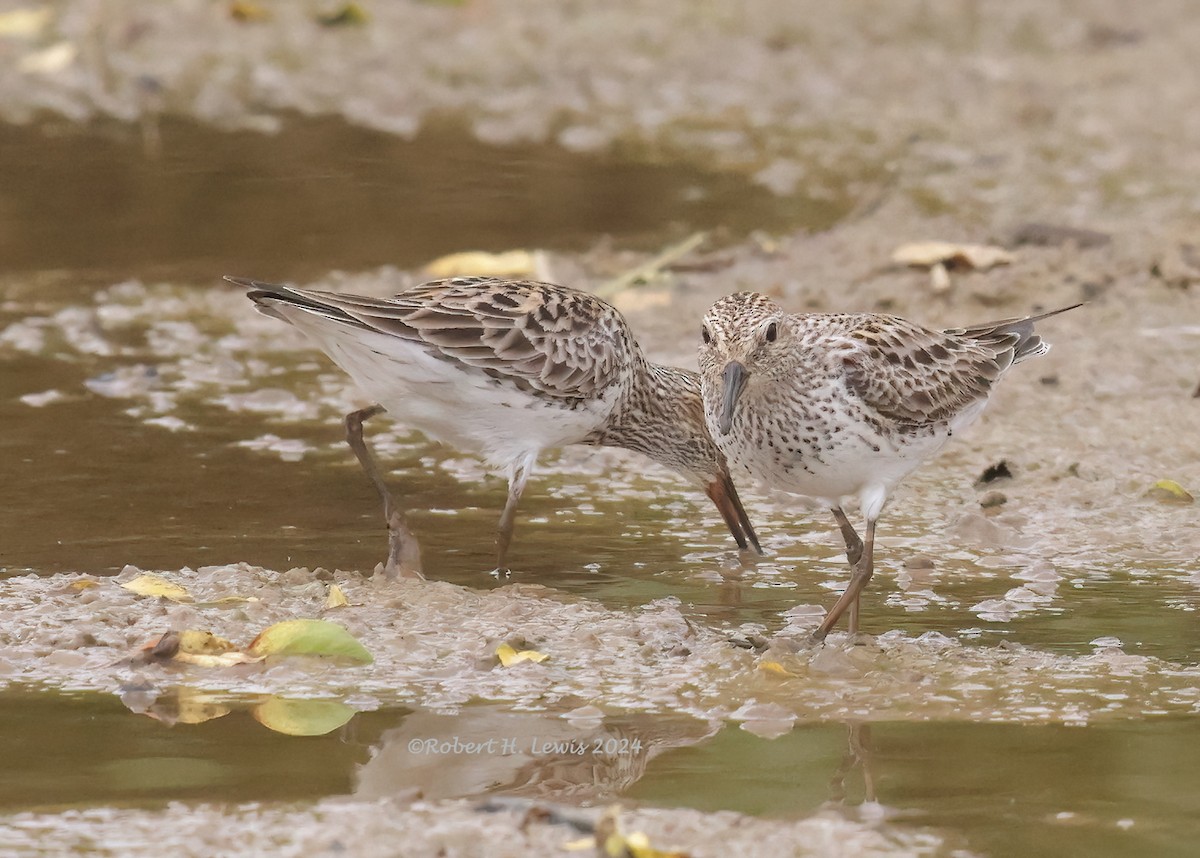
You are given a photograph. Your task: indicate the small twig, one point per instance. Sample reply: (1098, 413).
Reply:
(648, 270)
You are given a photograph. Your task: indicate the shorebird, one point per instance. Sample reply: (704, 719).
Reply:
(845, 406)
(504, 369)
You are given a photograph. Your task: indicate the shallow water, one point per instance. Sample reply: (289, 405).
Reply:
(144, 444)
(1113, 789)
(326, 195)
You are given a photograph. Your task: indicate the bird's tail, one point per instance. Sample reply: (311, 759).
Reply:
(268, 297)
(1028, 343)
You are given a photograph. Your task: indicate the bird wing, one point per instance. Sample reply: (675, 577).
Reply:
(917, 377)
(538, 336)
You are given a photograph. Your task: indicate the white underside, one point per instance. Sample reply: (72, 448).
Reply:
(852, 471)
(464, 409)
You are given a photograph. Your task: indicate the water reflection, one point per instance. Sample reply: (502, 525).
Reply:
(857, 758)
(485, 750)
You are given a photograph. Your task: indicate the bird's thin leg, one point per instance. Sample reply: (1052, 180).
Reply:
(854, 545)
(404, 552)
(857, 756)
(516, 484)
(858, 580)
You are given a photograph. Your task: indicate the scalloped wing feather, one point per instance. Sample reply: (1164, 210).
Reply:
(917, 377)
(563, 343)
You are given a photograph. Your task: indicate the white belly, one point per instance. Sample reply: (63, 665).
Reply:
(464, 409)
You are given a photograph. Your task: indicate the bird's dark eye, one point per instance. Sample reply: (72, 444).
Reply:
(705, 335)
(772, 332)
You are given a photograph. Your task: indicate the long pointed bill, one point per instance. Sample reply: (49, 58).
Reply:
(723, 494)
(734, 380)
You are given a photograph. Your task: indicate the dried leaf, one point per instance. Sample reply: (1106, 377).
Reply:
(336, 598)
(25, 22)
(350, 14)
(85, 584)
(1170, 492)
(206, 643)
(203, 649)
(509, 656)
(207, 650)
(228, 600)
(927, 254)
(300, 717)
(150, 584)
(478, 263)
(310, 637)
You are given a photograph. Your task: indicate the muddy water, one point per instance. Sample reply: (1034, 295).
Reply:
(95, 203)
(1032, 790)
(92, 486)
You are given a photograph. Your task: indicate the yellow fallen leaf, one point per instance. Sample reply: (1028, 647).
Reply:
(150, 584)
(478, 263)
(580, 845)
(25, 22)
(193, 641)
(638, 845)
(927, 254)
(774, 667)
(203, 649)
(228, 600)
(1169, 490)
(85, 584)
(336, 598)
(223, 659)
(301, 717)
(309, 637)
(509, 656)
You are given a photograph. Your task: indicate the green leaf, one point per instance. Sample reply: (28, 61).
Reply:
(310, 637)
(299, 717)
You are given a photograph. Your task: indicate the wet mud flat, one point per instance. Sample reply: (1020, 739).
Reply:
(1033, 630)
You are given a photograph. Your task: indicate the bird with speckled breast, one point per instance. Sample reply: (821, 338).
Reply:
(838, 406)
(505, 369)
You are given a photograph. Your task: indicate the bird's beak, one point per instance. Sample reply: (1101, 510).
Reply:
(722, 493)
(734, 379)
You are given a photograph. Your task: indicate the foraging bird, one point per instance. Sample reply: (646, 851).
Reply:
(505, 369)
(845, 406)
